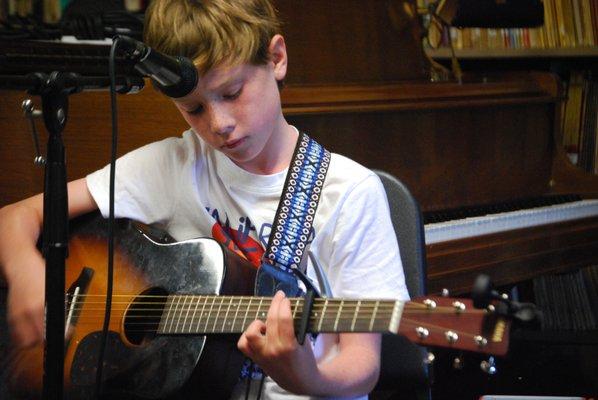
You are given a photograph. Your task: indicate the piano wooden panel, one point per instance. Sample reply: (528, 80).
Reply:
(451, 156)
(512, 256)
(462, 149)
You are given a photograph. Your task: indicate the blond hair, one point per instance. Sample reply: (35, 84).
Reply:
(212, 32)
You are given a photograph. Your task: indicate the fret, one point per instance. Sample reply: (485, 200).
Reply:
(296, 308)
(197, 300)
(168, 320)
(175, 316)
(188, 307)
(259, 309)
(230, 302)
(373, 318)
(180, 314)
(202, 315)
(347, 316)
(234, 324)
(165, 318)
(338, 314)
(322, 315)
(217, 313)
(209, 314)
(247, 312)
(355, 315)
(194, 303)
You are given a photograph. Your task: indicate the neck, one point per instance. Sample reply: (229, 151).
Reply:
(279, 148)
(186, 314)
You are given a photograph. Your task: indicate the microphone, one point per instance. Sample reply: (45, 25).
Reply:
(174, 76)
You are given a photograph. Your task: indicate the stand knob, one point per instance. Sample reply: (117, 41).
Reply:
(30, 113)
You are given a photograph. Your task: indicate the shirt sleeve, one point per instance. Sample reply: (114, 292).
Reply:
(146, 182)
(364, 261)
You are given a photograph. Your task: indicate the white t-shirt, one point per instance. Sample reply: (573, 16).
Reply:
(192, 191)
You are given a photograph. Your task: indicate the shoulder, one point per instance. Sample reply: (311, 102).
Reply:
(184, 146)
(350, 189)
(168, 152)
(346, 176)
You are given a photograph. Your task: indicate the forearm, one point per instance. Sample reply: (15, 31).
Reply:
(353, 371)
(20, 226)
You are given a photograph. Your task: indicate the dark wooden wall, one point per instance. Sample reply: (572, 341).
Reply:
(352, 41)
(431, 144)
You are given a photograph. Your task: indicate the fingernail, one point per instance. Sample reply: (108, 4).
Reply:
(281, 293)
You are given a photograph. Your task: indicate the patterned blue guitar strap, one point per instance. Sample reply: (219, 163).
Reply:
(291, 228)
(292, 224)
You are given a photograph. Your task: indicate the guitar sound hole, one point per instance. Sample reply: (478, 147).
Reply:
(143, 316)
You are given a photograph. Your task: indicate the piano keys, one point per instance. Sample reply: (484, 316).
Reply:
(438, 232)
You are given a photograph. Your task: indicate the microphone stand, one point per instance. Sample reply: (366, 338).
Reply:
(54, 89)
(54, 93)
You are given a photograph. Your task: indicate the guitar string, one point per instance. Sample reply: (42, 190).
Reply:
(330, 308)
(232, 299)
(410, 323)
(219, 320)
(342, 307)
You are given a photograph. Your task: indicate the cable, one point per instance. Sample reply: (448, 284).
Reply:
(109, 284)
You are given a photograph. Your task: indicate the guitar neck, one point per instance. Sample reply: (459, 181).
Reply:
(189, 314)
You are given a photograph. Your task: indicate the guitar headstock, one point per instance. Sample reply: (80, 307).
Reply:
(456, 324)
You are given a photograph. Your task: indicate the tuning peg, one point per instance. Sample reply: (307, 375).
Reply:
(488, 366)
(430, 304)
(429, 359)
(445, 292)
(458, 363)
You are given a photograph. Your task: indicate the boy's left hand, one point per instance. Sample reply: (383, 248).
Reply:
(274, 347)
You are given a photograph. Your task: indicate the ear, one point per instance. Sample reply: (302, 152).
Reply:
(278, 56)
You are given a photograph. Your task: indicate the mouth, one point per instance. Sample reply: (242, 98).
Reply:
(231, 144)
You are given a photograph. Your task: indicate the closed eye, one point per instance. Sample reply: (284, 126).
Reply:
(197, 110)
(234, 95)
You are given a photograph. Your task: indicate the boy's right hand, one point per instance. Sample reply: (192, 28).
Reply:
(22, 264)
(25, 303)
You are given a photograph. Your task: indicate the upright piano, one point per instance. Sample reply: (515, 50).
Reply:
(483, 158)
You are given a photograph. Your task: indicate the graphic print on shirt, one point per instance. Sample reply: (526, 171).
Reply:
(239, 240)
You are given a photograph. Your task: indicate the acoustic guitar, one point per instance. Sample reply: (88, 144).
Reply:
(178, 308)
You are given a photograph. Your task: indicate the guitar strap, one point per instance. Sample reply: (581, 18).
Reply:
(292, 224)
(290, 230)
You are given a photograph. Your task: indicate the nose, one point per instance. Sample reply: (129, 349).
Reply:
(222, 121)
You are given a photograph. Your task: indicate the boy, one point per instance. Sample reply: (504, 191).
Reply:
(228, 171)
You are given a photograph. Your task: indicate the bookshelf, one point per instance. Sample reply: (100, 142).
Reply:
(571, 53)
(567, 45)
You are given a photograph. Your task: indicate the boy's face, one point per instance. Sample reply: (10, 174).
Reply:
(237, 111)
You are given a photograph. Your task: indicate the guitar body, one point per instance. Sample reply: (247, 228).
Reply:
(137, 363)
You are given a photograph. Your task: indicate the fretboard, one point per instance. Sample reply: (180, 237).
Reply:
(189, 314)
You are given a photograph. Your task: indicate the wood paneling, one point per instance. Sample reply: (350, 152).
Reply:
(513, 256)
(451, 144)
(350, 41)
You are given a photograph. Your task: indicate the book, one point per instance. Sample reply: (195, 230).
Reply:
(573, 113)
